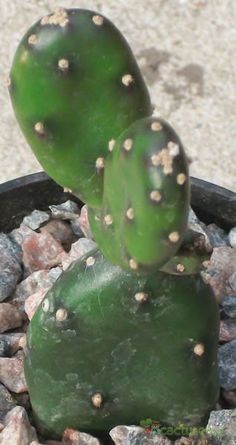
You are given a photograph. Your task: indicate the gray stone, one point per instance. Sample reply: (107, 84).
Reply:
(217, 236)
(13, 342)
(197, 226)
(4, 349)
(221, 427)
(80, 225)
(10, 317)
(18, 430)
(6, 402)
(232, 237)
(227, 365)
(230, 397)
(20, 234)
(78, 249)
(10, 268)
(8, 245)
(135, 435)
(12, 373)
(229, 305)
(36, 219)
(68, 210)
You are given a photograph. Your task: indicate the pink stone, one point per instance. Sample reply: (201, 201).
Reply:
(41, 251)
(32, 303)
(61, 232)
(12, 373)
(81, 225)
(17, 430)
(220, 271)
(42, 279)
(227, 330)
(10, 317)
(74, 437)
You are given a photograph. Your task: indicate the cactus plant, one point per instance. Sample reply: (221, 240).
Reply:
(143, 217)
(121, 336)
(109, 347)
(75, 86)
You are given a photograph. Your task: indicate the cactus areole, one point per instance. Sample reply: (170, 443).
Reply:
(75, 86)
(129, 331)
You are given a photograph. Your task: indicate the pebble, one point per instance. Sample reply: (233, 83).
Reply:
(12, 373)
(41, 251)
(10, 268)
(221, 427)
(78, 249)
(68, 210)
(12, 342)
(18, 430)
(4, 349)
(20, 234)
(230, 397)
(232, 282)
(232, 237)
(36, 219)
(74, 437)
(8, 245)
(135, 435)
(23, 399)
(227, 330)
(41, 279)
(80, 225)
(32, 303)
(220, 271)
(197, 226)
(61, 232)
(227, 365)
(6, 402)
(229, 305)
(217, 236)
(10, 317)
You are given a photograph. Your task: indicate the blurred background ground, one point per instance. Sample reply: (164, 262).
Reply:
(186, 51)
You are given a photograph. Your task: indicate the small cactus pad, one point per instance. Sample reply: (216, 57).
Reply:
(146, 197)
(75, 86)
(107, 347)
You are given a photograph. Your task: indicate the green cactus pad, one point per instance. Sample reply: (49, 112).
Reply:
(190, 258)
(75, 86)
(146, 197)
(108, 347)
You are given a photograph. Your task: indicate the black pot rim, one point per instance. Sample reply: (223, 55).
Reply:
(18, 197)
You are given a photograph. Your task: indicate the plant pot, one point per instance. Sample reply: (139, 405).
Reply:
(20, 196)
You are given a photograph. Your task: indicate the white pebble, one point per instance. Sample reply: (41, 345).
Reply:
(232, 237)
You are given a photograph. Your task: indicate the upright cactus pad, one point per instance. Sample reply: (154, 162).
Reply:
(75, 86)
(108, 347)
(146, 197)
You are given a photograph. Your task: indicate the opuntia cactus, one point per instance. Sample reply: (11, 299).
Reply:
(75, 86)
(113, 343)
(107, 347)
(144, 213)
